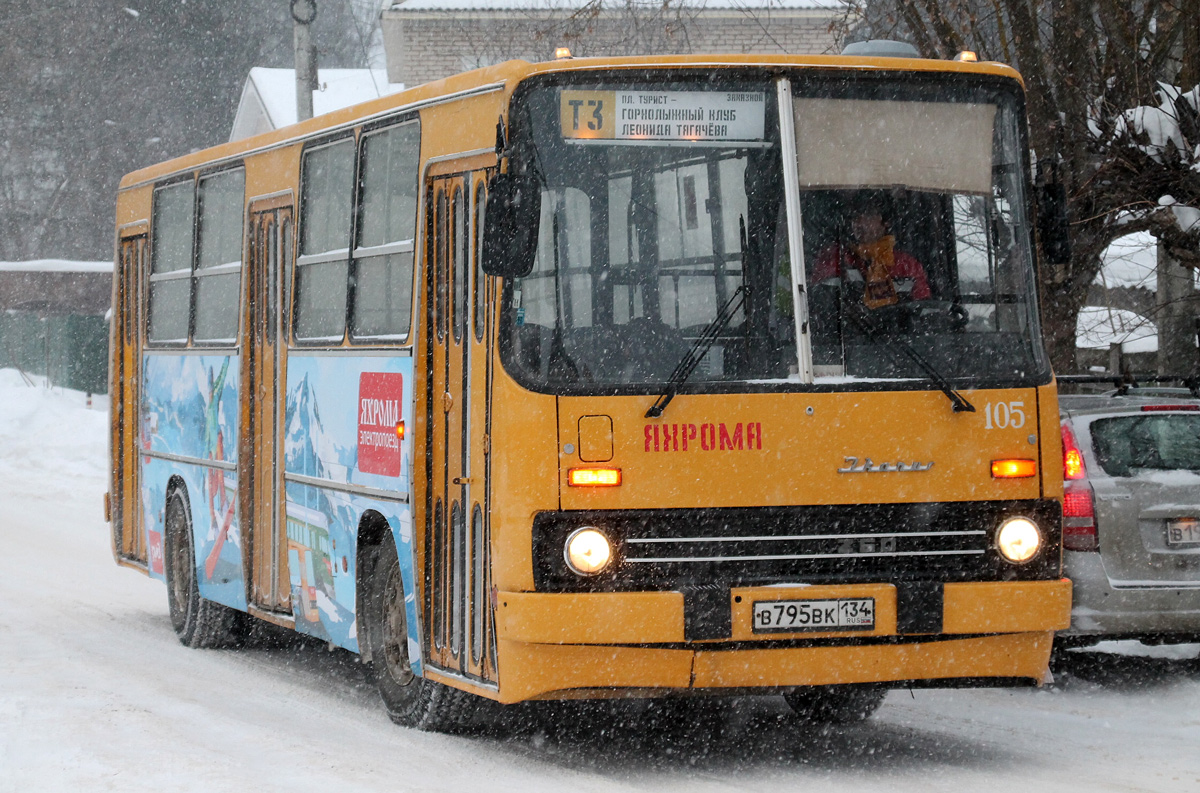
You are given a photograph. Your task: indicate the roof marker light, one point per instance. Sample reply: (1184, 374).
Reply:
(562, 53)
(966, 56)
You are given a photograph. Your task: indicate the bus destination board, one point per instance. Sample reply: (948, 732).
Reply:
(662, 115)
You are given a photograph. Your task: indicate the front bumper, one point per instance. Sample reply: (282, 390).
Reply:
(610, 643)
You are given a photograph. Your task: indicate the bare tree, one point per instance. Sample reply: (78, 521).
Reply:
(1101, 119)
(97, 88)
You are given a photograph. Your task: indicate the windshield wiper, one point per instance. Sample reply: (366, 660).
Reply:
(874, 333)
(702, 344)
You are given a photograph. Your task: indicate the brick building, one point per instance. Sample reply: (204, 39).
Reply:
(429, 39)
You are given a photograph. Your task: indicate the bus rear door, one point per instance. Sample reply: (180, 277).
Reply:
(129, 540)
(264, 357)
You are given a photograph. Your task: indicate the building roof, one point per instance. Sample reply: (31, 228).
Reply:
(562, 5)
(56, 287)
(55, 266)
(269, 96)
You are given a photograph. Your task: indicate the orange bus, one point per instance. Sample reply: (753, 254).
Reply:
(605, 378)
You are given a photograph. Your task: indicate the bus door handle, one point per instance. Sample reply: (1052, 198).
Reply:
(463, 480)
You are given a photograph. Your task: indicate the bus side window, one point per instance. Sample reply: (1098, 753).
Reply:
(383, 254)
(459, 317)
(479, 310)
(326, 198)
(219, 256)
(171, 263)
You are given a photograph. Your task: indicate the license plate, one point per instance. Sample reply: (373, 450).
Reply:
(1183, 532)
(793, 616)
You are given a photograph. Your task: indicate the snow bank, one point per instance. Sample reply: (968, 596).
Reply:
(50, 439)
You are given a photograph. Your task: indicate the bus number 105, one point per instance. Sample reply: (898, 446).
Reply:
(1003, 415)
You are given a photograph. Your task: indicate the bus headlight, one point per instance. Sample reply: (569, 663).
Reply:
(1018, 540)
(587, 551)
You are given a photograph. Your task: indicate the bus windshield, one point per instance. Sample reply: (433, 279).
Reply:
(664, 203)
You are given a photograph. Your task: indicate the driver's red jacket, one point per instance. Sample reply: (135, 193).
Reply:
(837, 258)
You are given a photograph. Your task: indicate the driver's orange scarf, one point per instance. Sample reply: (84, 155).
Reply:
(879, 257)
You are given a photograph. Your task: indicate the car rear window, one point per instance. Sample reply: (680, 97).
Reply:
(1160, 441)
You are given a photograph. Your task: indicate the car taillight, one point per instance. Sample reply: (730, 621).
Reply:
(1079, 520)
(1079, 509)
(1073, 467)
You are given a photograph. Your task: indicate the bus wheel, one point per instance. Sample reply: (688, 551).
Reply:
(197, 622)
(411, 701)
(835, 704)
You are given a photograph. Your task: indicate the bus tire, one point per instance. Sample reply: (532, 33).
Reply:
(835, 704)
(411, 701)
(199, 623)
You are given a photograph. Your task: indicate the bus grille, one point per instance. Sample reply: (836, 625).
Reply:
(667, 549)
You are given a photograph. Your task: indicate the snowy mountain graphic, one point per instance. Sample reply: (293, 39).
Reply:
(308, 449)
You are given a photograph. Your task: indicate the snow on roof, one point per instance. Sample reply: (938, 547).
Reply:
(1097, 328)
(553, 5)
(1131, 260)
(269, 96)
(55, 266)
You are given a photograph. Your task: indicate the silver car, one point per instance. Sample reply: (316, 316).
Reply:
(1131, 518)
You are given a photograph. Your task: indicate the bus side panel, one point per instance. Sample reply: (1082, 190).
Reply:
(155, 476)
(217, 563)
(189, 411)
(322, 552)
(340, 426)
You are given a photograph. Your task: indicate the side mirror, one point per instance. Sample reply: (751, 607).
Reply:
(1053, 226)
(510, 231)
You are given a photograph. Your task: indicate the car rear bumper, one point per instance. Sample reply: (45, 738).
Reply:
(1102, 609)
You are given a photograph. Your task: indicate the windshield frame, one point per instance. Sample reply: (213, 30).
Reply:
(804, 82)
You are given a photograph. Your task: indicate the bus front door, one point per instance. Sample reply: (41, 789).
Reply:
(457, 590)
(260, 457)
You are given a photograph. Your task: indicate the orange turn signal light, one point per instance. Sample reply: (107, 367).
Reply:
(1013, 469)
(594, 477)
(400, 430)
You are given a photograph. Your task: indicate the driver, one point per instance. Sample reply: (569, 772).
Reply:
(887, 275)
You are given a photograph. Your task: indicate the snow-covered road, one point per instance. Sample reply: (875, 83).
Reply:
(97, 694)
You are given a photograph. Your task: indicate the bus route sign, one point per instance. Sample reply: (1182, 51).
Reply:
(662, 115)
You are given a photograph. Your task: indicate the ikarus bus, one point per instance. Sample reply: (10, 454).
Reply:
(605, 378)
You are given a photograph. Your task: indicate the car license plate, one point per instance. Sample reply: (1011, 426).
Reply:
(1183, 533)
(792, 616)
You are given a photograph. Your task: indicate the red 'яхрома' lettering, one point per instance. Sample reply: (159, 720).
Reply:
(712, 436)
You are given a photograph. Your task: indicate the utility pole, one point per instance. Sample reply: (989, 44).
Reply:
(303, 14)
